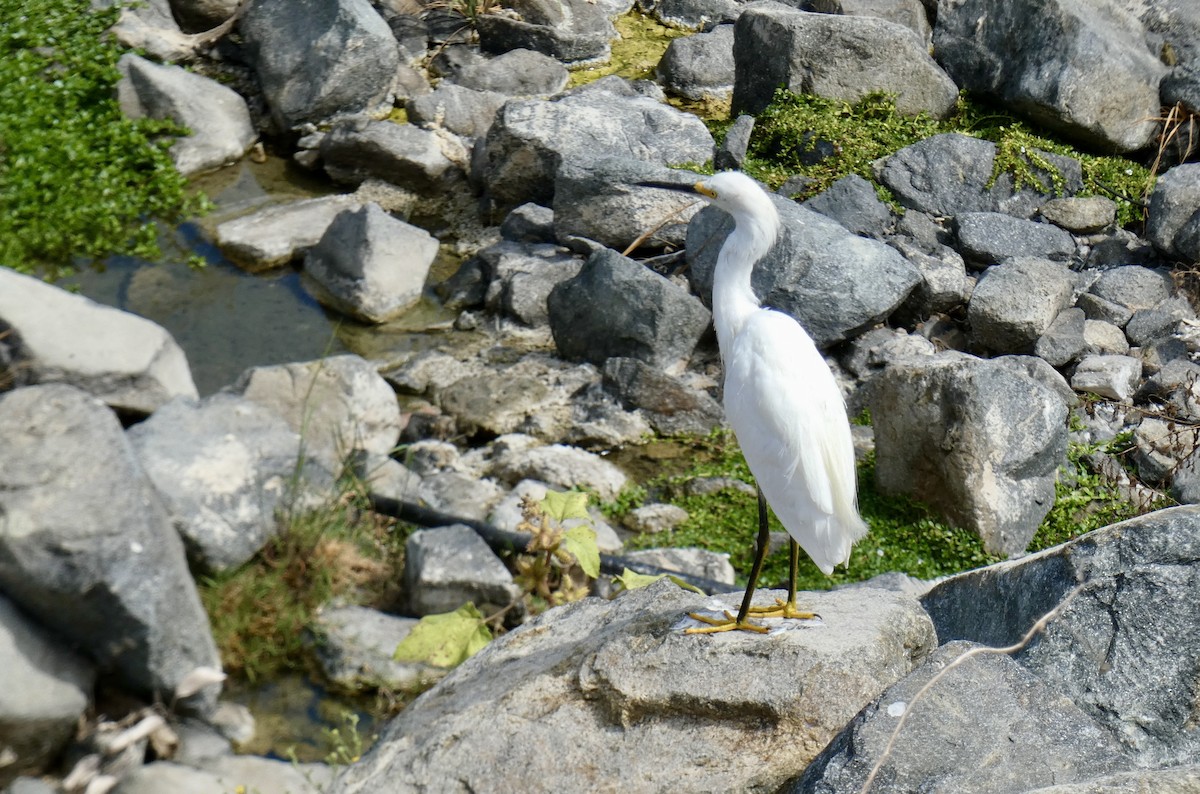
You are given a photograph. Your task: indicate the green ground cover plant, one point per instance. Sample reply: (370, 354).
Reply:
(78, 181)
(826, 139)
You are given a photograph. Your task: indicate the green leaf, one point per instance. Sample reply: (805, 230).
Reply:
(561, 506)
(632, 580)
(581, 542)
(445, 640)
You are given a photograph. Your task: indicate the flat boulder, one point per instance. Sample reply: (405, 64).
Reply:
(628, 701)
(54, 336)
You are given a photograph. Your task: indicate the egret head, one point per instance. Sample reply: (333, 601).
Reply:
(733, 192)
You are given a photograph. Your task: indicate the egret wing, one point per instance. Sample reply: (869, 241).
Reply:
(790, 420)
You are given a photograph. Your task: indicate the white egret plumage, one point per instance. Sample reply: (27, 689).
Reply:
(782, 402)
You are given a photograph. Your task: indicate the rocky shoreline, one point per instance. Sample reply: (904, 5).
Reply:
(970, 326)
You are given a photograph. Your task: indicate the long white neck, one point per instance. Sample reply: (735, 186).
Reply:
(733, 298)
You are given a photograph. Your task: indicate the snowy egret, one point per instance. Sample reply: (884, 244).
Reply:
(783, 405)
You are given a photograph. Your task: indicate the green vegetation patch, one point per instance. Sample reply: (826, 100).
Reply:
(827, 139)
(77, 179)
(261, 611)
(904, 535)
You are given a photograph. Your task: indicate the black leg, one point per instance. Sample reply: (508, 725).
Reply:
(793, 569)
(760, 554)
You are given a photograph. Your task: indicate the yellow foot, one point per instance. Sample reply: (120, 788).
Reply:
(782, 609)
(729, 623)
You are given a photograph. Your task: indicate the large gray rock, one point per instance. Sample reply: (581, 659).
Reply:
(974, 440)
(952, 173)
(567, 30)
(617, 307)
(1080, 67)
(1016, 302)
(224, 466)
(447, 567)
(834, 56)
(151, 28)
(629, 702)
(1173, 202)
(699, 66)
(401, 154)
(1134, 287)
(337, 404)
(87, 547)
(47, 689)
(600, 199)
(370, 265)
(1114, 377)
(275, 235)
(990, 237)
(54, 336)
(833, 282)
(530, 139)
(1121, 650)
(317, 60)
(216, 116)
(989, 726)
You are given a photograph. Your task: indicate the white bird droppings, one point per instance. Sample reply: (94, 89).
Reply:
(897, 709)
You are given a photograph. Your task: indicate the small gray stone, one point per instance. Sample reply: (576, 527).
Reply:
(338, 404)
(47, 689)
(459, 494)
(1080, 215)
(1102, 309)
(1134, 287)
(529, 223)
(354, 646)
(447, 567)
(561, 466)
(1173, 202)
(990, 237)
(951, 173)
(852, 202)
(700, 66)
(460, 110)
(224, 467)
(1103, 338)
(1114, 377)
(1161, 447)
(1064, 340)
(220, 130)
(318, 60)
(732, 152)
(651, 519)
(572, 31)
(1016, 302)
